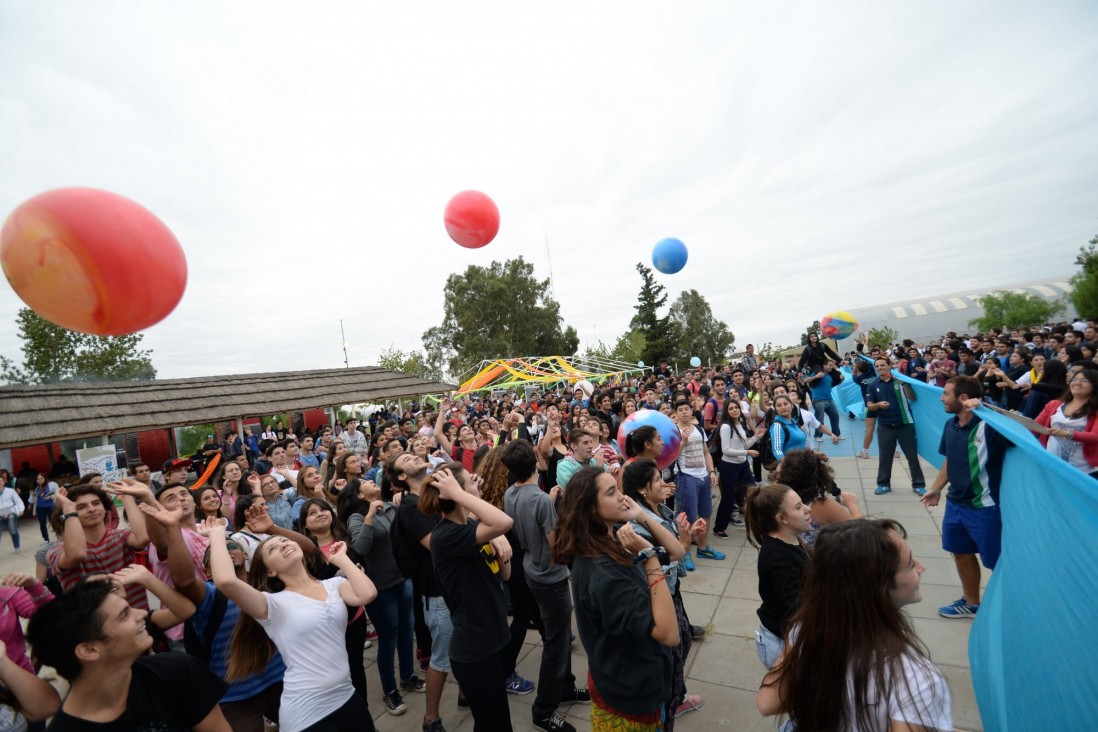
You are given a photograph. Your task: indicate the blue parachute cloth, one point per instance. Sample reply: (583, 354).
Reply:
(848, 394)
(1033, 648)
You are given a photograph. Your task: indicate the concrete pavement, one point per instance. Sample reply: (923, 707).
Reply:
(722, 595)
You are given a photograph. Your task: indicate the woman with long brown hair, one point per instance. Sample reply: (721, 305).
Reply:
(327, 465)
(282, 605)
(776, 518)
(231, 485)
(624, 611)
(853, 661)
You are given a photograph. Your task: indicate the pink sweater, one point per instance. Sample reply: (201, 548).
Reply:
(15, 603)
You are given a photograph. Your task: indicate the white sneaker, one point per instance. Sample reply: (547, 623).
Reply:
(864, 454)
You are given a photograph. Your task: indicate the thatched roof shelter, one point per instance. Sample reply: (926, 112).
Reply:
(34, 414)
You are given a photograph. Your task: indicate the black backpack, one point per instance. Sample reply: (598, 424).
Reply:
(200, 647)
(714, 440)
(766, 449)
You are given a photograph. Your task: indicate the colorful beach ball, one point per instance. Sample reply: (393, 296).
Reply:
(840, 324)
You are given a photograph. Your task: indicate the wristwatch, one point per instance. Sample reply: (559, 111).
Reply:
(66, 516)
(645, 554)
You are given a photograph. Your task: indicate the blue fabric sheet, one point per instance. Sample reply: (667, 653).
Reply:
(1034, 646)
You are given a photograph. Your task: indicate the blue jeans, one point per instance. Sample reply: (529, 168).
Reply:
(827, 406)
(391, 614)
(11, 523)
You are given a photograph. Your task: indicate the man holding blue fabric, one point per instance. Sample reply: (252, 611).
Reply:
(973, 468)
(889, 402)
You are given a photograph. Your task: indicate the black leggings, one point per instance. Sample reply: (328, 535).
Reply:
(524, 609)
(355, 638)
(353, 716)
(483, 684)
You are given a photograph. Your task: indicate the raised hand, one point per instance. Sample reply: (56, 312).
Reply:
(699, 528)
(448, 486)
(631, 540)
(633, 511)
(18, 579)
(682, 523)
(163, 516)
(212, 526)
(258, 520)
(127, 487)
(338, 552)
(134, 574)
(62, 497)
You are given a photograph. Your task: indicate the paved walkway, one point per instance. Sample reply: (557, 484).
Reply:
(722, 595)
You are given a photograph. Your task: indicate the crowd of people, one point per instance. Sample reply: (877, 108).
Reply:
(445, 534)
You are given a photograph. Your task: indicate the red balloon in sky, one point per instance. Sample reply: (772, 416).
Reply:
(472, 219)
(92, 261)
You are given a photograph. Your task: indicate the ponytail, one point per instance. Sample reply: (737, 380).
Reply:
(761, 510)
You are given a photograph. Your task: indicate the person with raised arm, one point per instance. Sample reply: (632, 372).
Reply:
(88, 545)
(470, 567)
(247, 701)
(624, 611)
(100, 644)
(287, 608)
(464, 447)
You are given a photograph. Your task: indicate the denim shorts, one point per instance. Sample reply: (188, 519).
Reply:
(768, 646)
(438, 620)
(968, 530)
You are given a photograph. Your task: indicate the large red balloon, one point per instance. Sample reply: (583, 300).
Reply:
(92, 261)
(472, 219)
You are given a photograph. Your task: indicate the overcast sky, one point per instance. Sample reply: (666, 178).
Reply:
(812, 156)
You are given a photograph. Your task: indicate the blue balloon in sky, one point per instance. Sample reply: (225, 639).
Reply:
(669, 255)
(695, 361)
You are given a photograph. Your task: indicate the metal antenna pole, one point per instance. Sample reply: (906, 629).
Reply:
(343, 337)
(549, 258)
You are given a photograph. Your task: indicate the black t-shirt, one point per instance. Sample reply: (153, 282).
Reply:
(632, 671)
(468, 575)
(169, 692)
(414, 525)
(781, 575)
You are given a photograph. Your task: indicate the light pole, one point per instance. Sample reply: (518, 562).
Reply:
(343, 337)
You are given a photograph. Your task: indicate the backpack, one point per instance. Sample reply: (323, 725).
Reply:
(200, 647)
(714, 439)
(405, 550)
(766, 449)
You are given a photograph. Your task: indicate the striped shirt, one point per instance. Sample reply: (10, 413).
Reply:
(974, 462)
(898, 411)
(219, 650)
(111, 554)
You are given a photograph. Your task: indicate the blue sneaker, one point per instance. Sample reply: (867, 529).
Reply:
(710, 553)
(919, 490)
(515, 684)
(959, 609)
(688, 562)
(882, 489)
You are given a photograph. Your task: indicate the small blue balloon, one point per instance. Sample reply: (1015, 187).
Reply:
(669, 255)
(640, 364)
(695, 361)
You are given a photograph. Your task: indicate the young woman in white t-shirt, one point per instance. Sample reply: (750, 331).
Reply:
(305, 618)
(852, 660)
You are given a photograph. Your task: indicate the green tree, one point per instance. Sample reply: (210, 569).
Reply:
(629, 347)
(660, 334)
(814, 328)
(1084, 296)
(412, 362)
(499, 311)
(883, 336)
(52, 354)
(1014, 310)
(700, 333)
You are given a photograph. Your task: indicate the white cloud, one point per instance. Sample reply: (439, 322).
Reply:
(303, 155)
